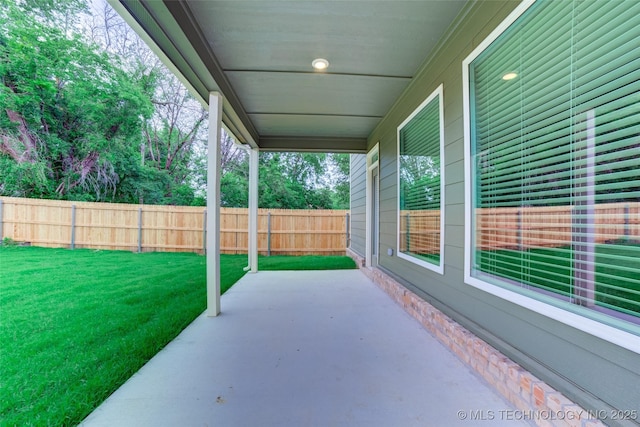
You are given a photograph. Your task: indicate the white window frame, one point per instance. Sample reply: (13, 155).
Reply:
(438, 268)
(606, 332)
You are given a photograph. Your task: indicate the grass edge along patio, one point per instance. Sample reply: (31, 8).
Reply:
(77, 324)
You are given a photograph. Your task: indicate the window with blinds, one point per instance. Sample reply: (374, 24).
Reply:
(554, 135)
(420, 185)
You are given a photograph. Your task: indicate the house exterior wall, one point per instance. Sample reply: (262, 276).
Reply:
(358, 203)
(566, 358)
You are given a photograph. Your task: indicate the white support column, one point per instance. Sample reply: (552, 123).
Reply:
(213, 205)
(253, 210)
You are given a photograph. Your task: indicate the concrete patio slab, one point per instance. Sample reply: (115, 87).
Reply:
(315, 348)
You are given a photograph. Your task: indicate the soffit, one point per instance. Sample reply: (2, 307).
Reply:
(258, 54)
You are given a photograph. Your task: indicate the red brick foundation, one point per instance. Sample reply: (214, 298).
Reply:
(533, 399)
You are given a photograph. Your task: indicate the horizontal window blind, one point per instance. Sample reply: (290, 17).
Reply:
(419, 184)
(556, 154)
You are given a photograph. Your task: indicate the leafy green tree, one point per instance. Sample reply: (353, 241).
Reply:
(420, 183)
(289, 181)
(68, 112)
(174, 137)
(340, 181)
(88, 112)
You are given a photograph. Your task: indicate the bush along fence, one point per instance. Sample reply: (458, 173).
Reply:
(147, 228)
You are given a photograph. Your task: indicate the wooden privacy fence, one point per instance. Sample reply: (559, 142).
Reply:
(420, 231)
(526, 227)
(286, 231)
(555, 226)
(148, 228)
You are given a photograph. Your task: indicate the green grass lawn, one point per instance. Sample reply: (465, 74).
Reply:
(309, 262)
(617, 267)
(74, 325)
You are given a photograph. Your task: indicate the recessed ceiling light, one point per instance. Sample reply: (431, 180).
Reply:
(509, 76)
(320, 64)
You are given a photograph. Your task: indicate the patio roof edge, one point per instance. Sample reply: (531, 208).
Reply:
(313, 144)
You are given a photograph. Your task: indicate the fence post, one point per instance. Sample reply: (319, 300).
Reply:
(204, 231)
(139, 230)
(1, 223)
(235, 234)
(268, 233)
(73, 227)
(347, 236)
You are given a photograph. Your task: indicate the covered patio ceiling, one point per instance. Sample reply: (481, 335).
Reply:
(258, 55)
